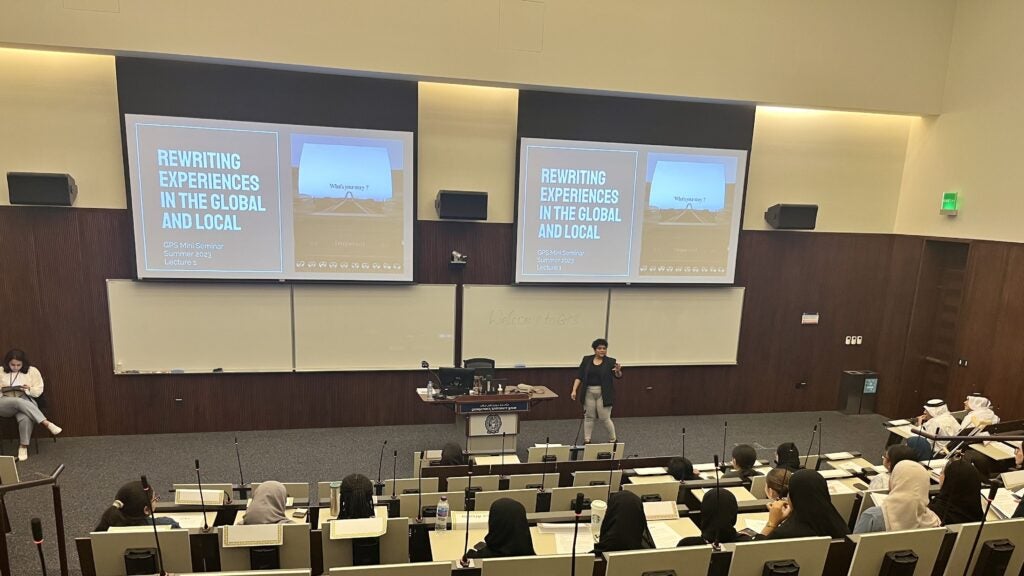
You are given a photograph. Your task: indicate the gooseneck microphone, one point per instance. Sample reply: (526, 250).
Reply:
(202, 500)
(684, 441)
(577, 508)
(37, 537)
(583, 417)
(468, 496)
(611, 468)
(238, 457)
(544, 462)
(821, 434)
(716, 545)
(807, 455)
(379, 486)
(394, 475)
(152, 515)
(725, 438)
(419, 489)
(502, 454)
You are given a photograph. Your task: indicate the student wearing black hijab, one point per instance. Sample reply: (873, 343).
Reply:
(681, 469)
(625, 525)
(451, 455)
(787, 456)
(718, 513)
(957, 501)
(508, 532)
(808, 512)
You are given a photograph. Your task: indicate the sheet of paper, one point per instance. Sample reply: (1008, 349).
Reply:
(704, 467)
(853, 466)
(421, 391)
(898, 423)
(903, 431)
(663, 534)
(839, 488)
(653, 471)
(834, 473)
(757, 525)
(542, 445)
(556, 528)
(1005, 503)
(839, 456)
(584, 542)
(660, 511)
(1002, 448)
(476, 520)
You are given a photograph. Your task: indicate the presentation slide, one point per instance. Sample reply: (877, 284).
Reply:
(599, 212)
(215, 199)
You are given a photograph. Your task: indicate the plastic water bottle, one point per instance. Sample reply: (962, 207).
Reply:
(441, 520)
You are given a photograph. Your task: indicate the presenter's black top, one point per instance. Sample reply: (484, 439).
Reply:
(591, 374)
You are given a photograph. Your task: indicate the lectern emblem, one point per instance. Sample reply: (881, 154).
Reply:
(492, 423)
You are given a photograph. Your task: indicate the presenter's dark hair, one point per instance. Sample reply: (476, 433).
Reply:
(128, 508)
(356, 497)
(16, 354)
(745, 456)
(599, 342)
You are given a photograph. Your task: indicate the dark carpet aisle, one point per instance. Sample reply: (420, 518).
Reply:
(96, 466)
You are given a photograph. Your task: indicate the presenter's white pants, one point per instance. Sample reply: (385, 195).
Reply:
(595, 408)
(25, 412)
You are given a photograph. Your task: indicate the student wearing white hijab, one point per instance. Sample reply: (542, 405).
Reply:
(905, 507)
(980, 413)
(268, 504)
(937, 420)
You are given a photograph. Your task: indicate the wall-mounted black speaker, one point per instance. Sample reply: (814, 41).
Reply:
(459, 205)
(41, 189)
(792, 216)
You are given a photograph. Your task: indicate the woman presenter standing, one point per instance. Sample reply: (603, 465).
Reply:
(596, 373)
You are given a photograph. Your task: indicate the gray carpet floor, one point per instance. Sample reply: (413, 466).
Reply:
(97, 466)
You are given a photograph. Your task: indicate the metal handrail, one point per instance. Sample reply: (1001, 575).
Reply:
(5, 488)
(58, 514)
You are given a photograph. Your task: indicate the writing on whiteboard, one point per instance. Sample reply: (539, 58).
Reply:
(517, 318)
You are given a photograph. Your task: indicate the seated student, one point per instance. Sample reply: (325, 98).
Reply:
(937, 420)
(268, 505)
(807, 512)
(922, 448)
(979, 413)
(893, 455)
(744, 458)
(508, 532)
(681, 469)
(133, 506)
(957, 501)
(906, 505)
(718, 513)
(776, 483)
(625, 525)
(451, 455)
(356, 497)
(788, 456)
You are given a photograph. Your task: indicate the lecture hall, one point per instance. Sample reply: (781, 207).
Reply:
(494, 287)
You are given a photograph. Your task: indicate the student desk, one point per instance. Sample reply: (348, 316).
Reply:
(449, 545)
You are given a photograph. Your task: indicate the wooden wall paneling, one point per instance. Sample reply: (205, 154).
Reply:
(65, 357)
(1003, 386)
(490, 247)
(900, 282)
(106, 242)
(22, 310)
(985, 283)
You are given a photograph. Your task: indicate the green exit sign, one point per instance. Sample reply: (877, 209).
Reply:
(950, 203)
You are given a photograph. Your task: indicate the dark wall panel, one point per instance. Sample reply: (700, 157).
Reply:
(54, 298)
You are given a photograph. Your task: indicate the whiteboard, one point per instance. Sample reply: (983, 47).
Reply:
(675, 326)
(532, 326)
(346, 327)
(160, 327)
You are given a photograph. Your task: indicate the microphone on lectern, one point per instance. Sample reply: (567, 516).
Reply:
(821, 434)
(814, 432)
(725, 436)
(394, 475)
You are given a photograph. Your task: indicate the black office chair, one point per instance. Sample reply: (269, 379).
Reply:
(482, 367)
(10, 431)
